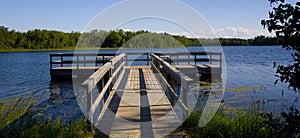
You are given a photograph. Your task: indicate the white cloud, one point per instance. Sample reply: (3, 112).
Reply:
(127, 30)
(240, 32)
(229, 32)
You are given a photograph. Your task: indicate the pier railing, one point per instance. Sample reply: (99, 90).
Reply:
(106, 76)
(170, 78)
(132, 57)
(79, 59)
(192, 58)
(86, 59)
(177, 58)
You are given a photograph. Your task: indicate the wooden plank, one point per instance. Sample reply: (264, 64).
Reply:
(201, 66)
(212, 66)
(130, 107)
(162, 112)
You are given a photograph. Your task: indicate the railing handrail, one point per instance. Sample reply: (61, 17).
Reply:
(179, 76)
(211, 57)
(114, 67)
(161, 67)
(187, 53)
(84, 54)
(98, 75)
(75, 61)
(95, 77)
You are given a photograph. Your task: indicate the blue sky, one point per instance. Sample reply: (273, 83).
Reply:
(228, 18)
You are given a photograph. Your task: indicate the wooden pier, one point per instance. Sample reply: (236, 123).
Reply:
(149, 100)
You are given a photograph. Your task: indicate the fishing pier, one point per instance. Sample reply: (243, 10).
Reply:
(136, 94)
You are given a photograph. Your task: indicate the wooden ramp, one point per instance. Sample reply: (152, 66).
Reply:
(138, 107)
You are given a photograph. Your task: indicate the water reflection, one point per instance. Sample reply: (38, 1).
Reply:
(62, 102)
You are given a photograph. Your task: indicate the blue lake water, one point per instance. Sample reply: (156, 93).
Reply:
(249, 68)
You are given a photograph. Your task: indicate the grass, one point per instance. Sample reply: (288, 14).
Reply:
(17, 120)
(13, 109)
(239, 123)
(251, 121)
(55, 129)
(45, 128)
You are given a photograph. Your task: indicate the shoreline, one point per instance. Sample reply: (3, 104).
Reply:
(49, 50)
(88, 48)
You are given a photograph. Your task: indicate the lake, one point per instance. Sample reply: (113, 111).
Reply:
(250, 77)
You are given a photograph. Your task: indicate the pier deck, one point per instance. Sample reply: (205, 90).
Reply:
(139, 106)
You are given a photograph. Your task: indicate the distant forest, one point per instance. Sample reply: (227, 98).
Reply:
(47, 39)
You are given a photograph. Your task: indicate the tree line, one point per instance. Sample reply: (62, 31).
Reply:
(49, 39)
(36, 39)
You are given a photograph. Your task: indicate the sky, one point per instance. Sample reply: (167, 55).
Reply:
(227, 18)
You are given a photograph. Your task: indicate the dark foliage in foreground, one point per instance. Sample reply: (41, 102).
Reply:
(288, 125)
(284, 20)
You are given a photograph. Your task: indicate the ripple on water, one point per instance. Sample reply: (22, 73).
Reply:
(27, 73)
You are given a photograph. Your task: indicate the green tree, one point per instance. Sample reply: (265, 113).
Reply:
(284, 20)
(263, 40)
(21, 40)
(113, 40)
(4, 37)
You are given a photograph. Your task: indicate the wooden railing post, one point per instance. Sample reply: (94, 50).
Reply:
(77, 62)
(103, 59)
(177, 58)
(220, 61)
(110, 86)
(61, 60)
(195, 59)
(83, 60)
(189, 59)
(126, 56)
(210, 58)
(147, 59)
(185, 90)
(51, 56)
(101, 104)
(88, 108)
